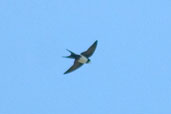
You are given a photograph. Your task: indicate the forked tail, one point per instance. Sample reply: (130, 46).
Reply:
(73, 55)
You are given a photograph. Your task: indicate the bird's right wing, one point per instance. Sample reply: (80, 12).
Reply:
(90, 50)
(75, 66)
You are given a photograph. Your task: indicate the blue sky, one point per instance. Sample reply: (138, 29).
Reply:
(130, 70)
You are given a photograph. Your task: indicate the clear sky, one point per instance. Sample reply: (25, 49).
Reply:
(130, 71)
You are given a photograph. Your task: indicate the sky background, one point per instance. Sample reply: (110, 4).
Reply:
(130, 71)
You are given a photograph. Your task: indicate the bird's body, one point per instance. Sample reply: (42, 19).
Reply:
(82, 58)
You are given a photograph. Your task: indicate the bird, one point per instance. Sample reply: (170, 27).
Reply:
(82, 58)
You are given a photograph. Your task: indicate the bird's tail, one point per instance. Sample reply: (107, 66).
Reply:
(72, 56)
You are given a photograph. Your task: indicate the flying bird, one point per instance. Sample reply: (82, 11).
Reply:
(82, 58)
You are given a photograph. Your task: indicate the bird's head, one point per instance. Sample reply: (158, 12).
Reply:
(89, 61)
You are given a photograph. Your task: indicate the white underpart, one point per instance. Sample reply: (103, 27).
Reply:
(82, 59)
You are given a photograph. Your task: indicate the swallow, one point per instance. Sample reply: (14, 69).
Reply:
(82, 58)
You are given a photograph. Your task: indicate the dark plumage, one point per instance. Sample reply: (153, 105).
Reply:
(82, 58)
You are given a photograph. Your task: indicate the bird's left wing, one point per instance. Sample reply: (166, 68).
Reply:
(75, 66)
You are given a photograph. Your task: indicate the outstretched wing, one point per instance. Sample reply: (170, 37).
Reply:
(75, 66)
(90, 50)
